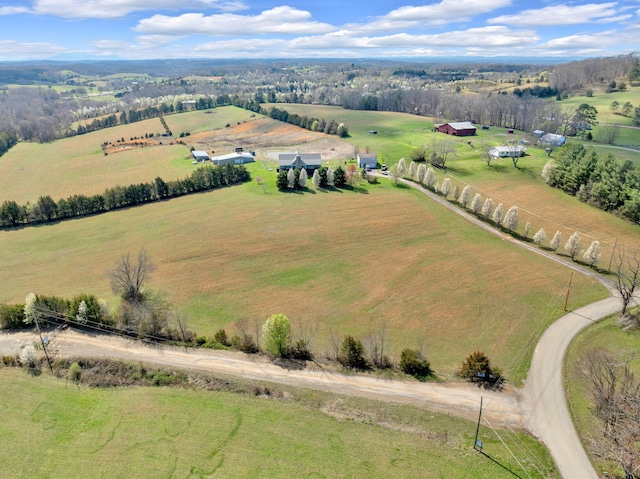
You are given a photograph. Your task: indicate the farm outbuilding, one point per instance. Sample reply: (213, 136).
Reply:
(233, 158)
(458, 128)
(309, 161)
(367, 160)
(199, 156)
(551, 139)
(514, 151)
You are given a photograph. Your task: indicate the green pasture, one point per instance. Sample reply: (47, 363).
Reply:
(602, 102)
(51, 428)
(606, 334)
(348, 261)
(204, 120)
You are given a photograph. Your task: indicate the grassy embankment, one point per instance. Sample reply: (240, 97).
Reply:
(165, 432)
(607, 335)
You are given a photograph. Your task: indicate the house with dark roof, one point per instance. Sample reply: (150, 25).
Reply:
(309, 161)
(457, 128)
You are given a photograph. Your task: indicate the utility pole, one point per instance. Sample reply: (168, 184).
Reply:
(566, 300)
(44, 346)
(477, 445)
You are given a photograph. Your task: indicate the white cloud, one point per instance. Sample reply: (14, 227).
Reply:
(10, 49)
(13, 10)
(563, 15)
(77, 9)
(589, 41)
(436, 14)
(281, 20)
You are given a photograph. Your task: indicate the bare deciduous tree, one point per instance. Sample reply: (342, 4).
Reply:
(615, 396)
(627, 277)
(128, 277)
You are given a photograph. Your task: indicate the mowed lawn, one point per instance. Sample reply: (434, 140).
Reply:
(51, 428)
(348, 261)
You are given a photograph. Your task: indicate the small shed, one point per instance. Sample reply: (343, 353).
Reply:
(458, 128)
(538, 133)
(199, 156)
(233, 158)
(367, 160)
(551, 139)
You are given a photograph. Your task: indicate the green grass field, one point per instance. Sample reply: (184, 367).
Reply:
(347, 261)
(608, 335)
(602, 102)
(51, 428)
(205, 120)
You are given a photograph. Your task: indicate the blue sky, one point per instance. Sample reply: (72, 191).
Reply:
(144, 29)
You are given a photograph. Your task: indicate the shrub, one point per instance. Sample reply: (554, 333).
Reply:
(300, 350)
(28, 356)
(477, 368)
(244, 343)
(413, 363)
(12, 316)
(75, 371)
(221, 337)
(352, 354)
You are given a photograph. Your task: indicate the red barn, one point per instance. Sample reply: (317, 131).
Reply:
(459, 128)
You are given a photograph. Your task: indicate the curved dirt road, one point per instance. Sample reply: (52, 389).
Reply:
(460, 399)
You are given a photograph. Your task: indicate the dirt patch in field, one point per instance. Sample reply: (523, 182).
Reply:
(267, 137)
(133, 144)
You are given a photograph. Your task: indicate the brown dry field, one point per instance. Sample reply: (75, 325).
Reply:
(554, 210)
(346, 261)
(267, 137)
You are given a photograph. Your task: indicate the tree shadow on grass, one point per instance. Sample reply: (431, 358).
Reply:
(357, 189)
(290, 364)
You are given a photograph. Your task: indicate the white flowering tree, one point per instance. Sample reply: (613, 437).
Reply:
(437, 187)
(592, 253)
(476, 203)
(401, 167)
(465, 196)
(330, 176)
(412, 170)
(446, 187)
(81, 317)
(498, 214)
(487, 208)
(430, 177)
(291, 178)
(302, 179)
(573, 245)
(555, 241)
(422, 172)
(512, 218)
(527, 229)
(315, 179)
(28, 355)
(30, 308)
(547, 171)
(540, 237)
